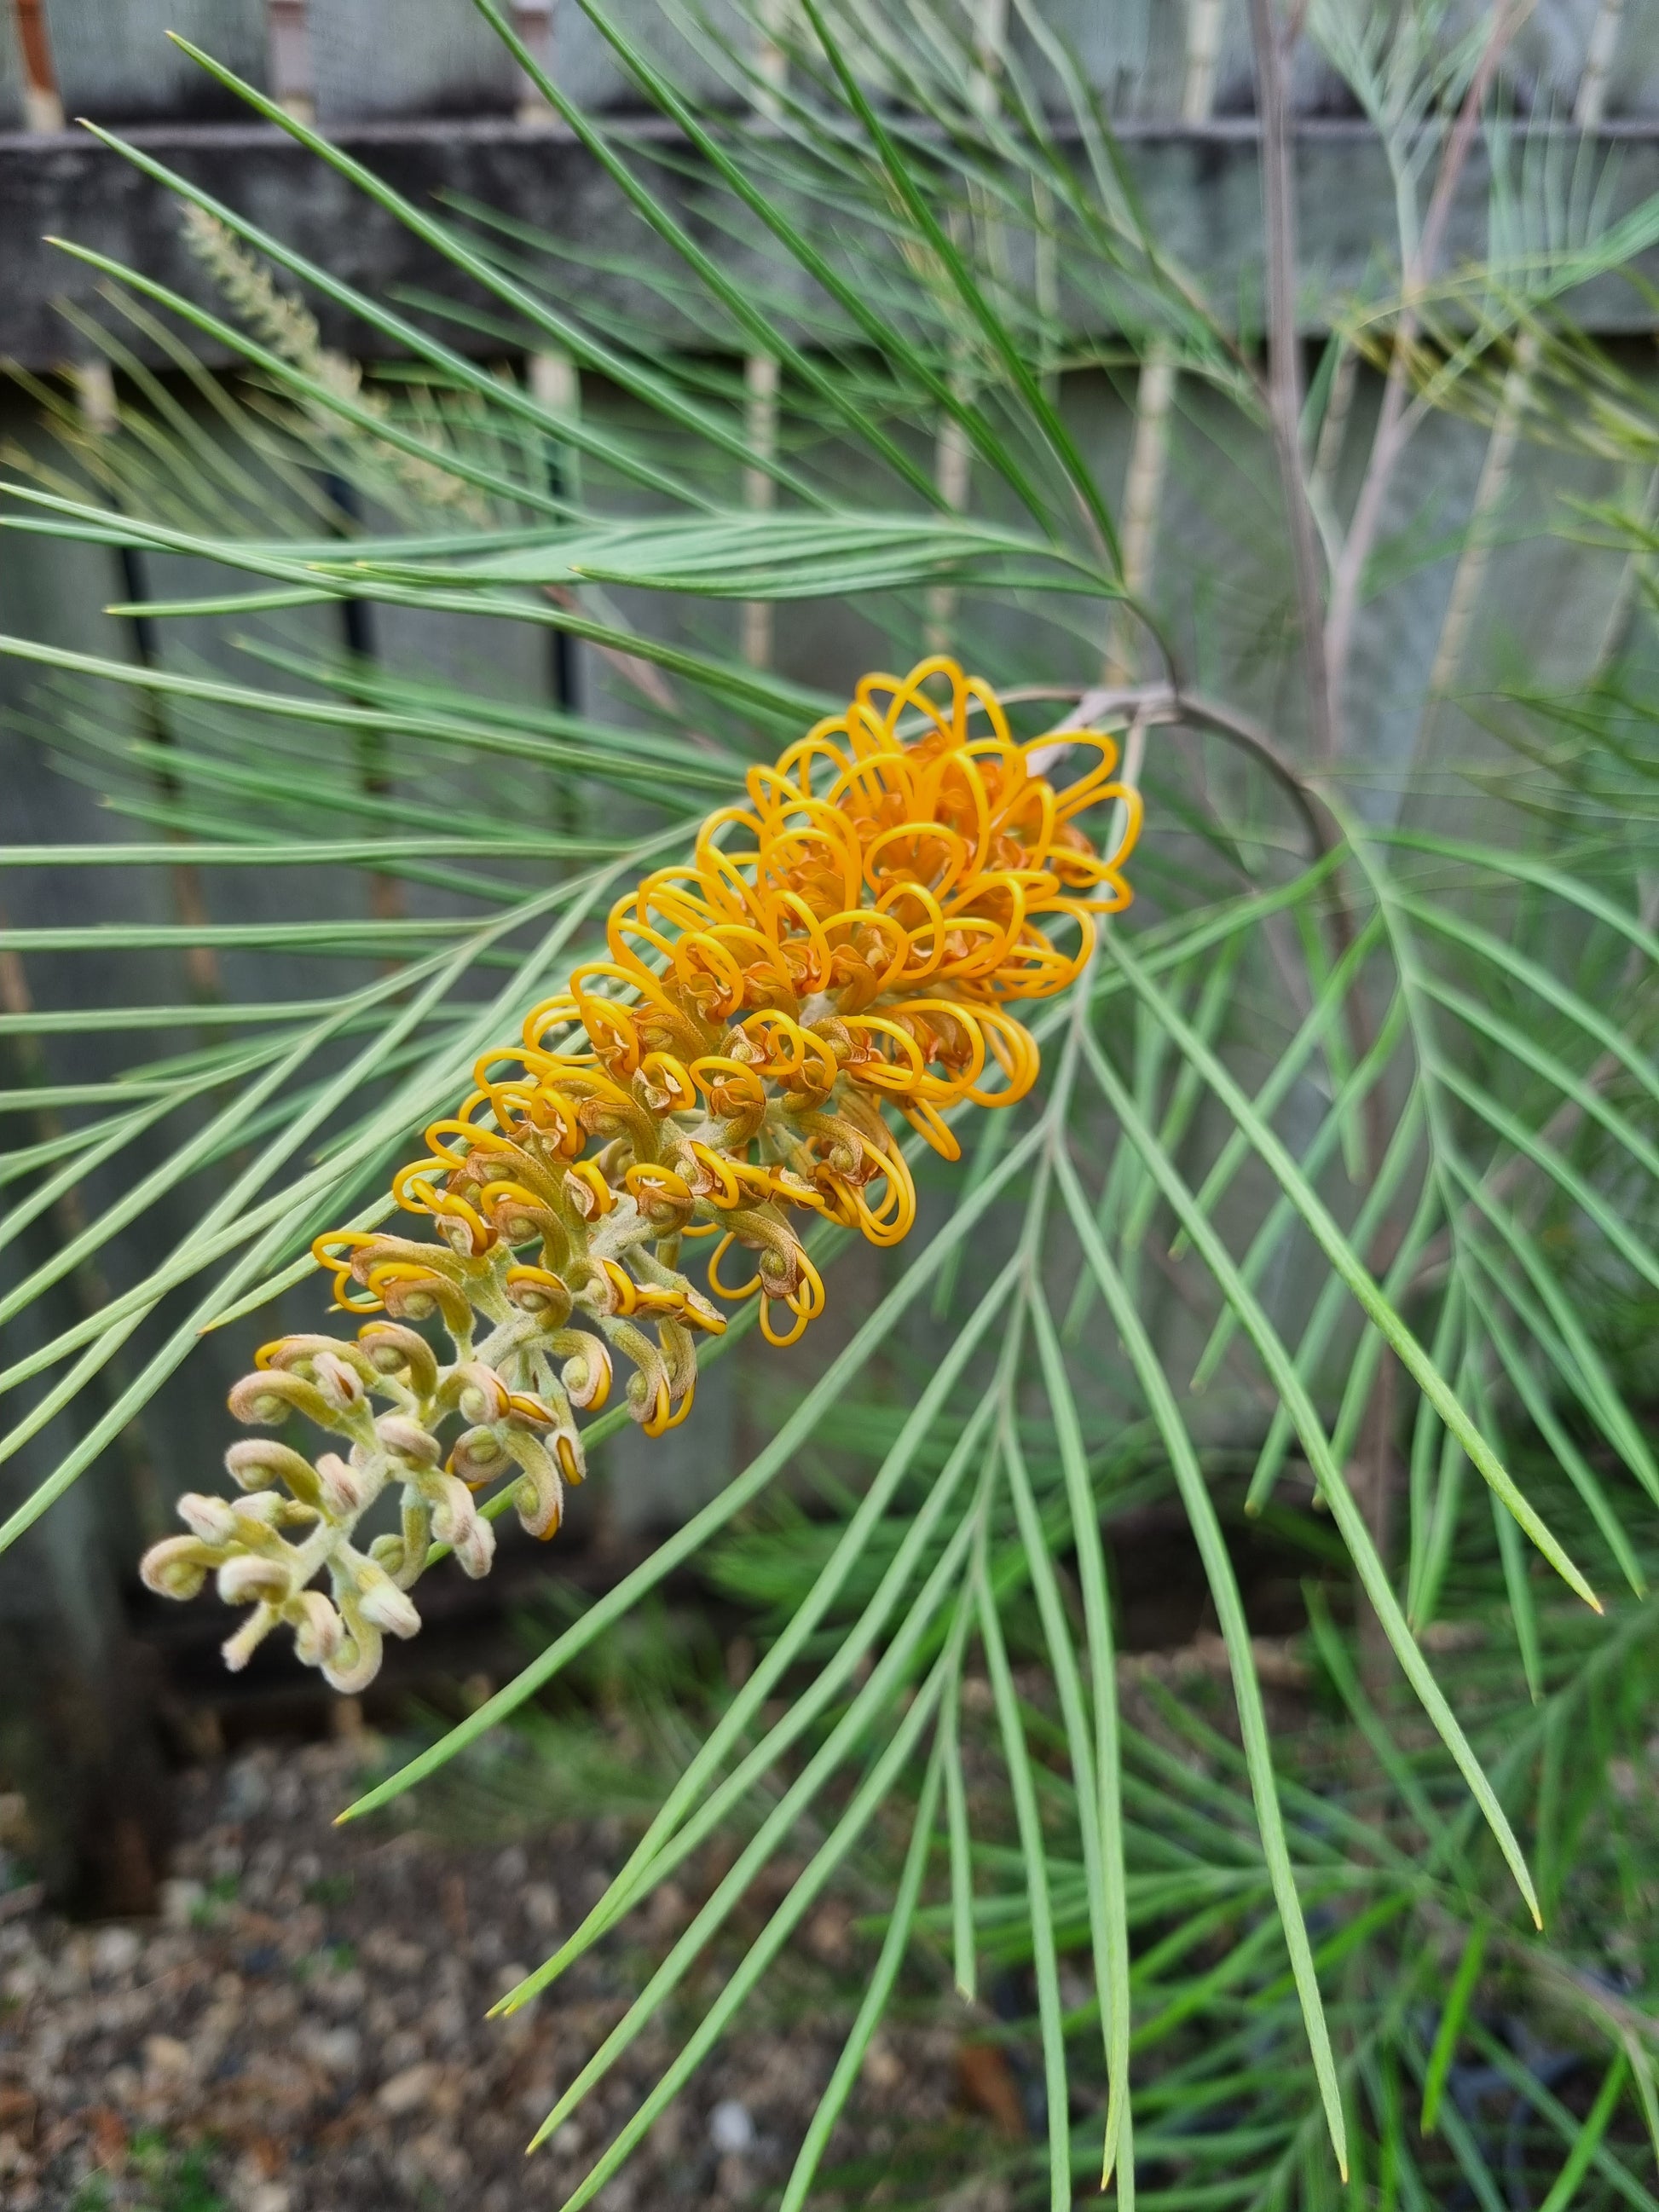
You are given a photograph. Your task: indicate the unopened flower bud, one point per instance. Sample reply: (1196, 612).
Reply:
(539, 1495)
(319, 1629)
(381, 1600)
(250, 1580)
(267, 1399)
(457, 1522)
(339, 1383)
(391, 1552)
(529, 1409)
(299, 1355)
(264, 1509)
(256, 1462)
(357, 1661)
(343, 1490)
(482, 1395)
(393, 1350)
(478, 1456)
(397, 1433)
(176, 1567)
(586, 1376)
(212, 1519)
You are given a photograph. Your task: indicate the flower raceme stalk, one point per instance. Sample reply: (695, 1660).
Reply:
(843, 942)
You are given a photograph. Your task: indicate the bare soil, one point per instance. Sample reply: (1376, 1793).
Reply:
(302, 2030)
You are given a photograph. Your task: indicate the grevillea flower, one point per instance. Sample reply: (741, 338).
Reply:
(844, 942)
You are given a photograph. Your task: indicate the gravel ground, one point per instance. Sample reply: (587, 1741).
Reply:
(303, 2030)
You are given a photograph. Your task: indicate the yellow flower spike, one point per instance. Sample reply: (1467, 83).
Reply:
(844, 942)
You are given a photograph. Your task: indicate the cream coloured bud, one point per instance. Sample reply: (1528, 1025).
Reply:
(586, 1376)
(339, 1383)
(176, 1566)
(250, 1580)
(344, 1490)
(538, 1495)
(381, 1602)
(477, 1456)
(212, 1519)
(257, 1462)
(482, 1395)
(266, 1399)
(356, 1663)
(299, 1355)
(319, 1630)
(265, 1508)
(531, 1411)
(397, 1433)
(391, 1349)
(391, 1552)
(457, 1233)
(457, 1522)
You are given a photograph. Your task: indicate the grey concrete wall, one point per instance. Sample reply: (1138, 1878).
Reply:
(1200, 187)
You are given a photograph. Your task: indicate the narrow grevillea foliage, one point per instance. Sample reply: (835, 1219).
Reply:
(846, 940)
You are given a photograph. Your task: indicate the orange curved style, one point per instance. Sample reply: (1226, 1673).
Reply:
(847, 939)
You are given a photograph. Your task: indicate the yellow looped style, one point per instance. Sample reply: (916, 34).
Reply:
(847, 939)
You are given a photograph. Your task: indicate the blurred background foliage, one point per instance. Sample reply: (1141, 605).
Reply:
(1196, 1596)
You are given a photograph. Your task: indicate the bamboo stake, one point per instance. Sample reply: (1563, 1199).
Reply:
(534, 22)
(554, 380)
(43, 107)
(293, 79)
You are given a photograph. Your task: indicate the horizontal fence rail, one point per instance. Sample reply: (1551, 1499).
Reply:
(1199, 186)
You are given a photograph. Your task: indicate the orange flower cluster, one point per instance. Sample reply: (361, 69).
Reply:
(846, 940)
